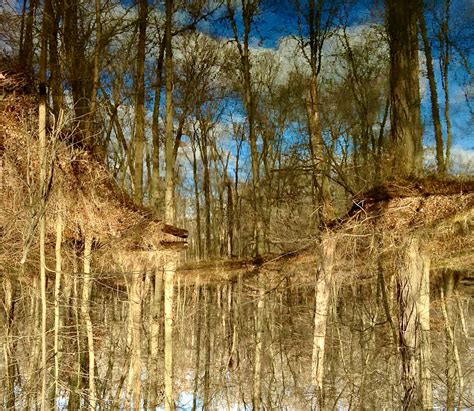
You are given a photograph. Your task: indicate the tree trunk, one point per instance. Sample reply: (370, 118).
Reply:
(26, 46)
(42, 120)
(320, 179)
(155, 129)
(402, 30)
(139, 138)
(444, 62)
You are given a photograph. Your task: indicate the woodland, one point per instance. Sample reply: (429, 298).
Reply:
(236, 204)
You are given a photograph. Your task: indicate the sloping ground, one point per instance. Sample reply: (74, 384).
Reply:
(439, 212)
(79, 188)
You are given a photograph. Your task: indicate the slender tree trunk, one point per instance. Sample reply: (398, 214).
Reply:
(139, 138)
(434, 96)
(230, 219)
(169, 135)
(207, 194)
(444, 61)
(320, 179)
(155, 130)
(197, 204)
(42, 120)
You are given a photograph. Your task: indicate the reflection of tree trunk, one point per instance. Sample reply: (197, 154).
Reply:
(413, 303)
(423, 311)
(257, 372)
(156, 301)
(134, 376)
(57, 291)
(75, 380)
(85, 312)
(169, 272)
(453, 363)
(322, 290)
(207, 347)
(8, 344)
(197, 344)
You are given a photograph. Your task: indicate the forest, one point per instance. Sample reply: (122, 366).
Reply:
(236, 204)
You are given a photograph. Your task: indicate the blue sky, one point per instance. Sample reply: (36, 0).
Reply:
(278, 19)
